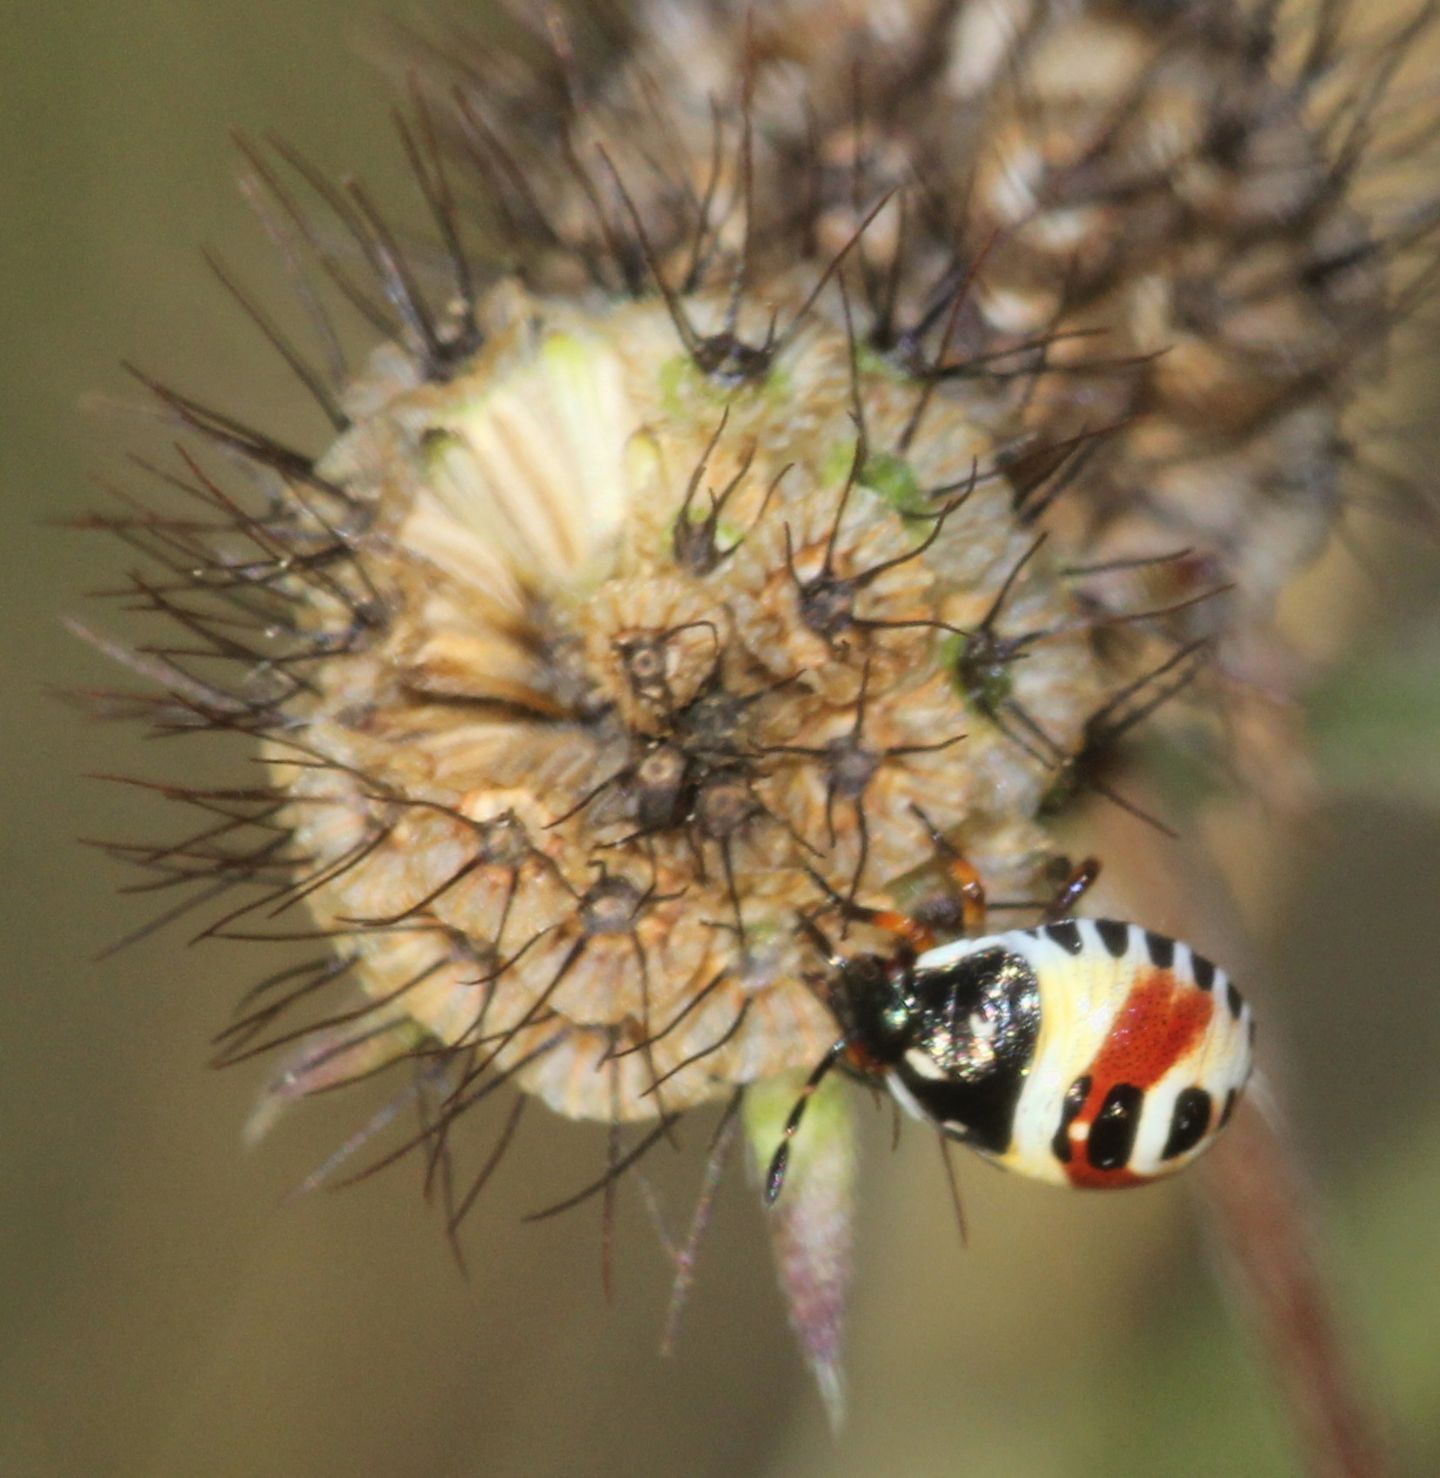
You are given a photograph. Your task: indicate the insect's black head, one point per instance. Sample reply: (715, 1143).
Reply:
(865, 992)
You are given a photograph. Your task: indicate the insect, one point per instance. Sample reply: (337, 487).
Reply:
(1085, 1052)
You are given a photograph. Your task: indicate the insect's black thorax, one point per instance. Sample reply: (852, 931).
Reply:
(960, 1036)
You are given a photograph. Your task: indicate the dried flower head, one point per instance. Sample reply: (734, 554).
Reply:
(842, 425)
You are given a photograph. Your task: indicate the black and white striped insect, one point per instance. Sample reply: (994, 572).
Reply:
(1082, 1052)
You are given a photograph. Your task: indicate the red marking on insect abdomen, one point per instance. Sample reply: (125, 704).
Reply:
(1160, 1022)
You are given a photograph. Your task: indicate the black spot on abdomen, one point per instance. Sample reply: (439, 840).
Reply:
(1114, 935)
(1112, 1135)
(1162, 950)
(1070, 1105)
(1203, 970)
(1233, 999)
(1067, 935)
(1188, 1122)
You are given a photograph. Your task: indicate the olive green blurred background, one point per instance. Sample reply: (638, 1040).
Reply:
(164, 1313)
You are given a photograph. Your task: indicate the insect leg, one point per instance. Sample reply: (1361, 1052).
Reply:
(1074, 887)
(775, 1175)
(918, 936)
(963, 873)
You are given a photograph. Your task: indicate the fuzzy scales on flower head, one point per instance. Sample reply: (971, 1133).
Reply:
(843, 423)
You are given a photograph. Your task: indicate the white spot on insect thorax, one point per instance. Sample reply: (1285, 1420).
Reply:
(924, 1065)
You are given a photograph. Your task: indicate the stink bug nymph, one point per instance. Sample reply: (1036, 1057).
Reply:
(1083, 1052)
